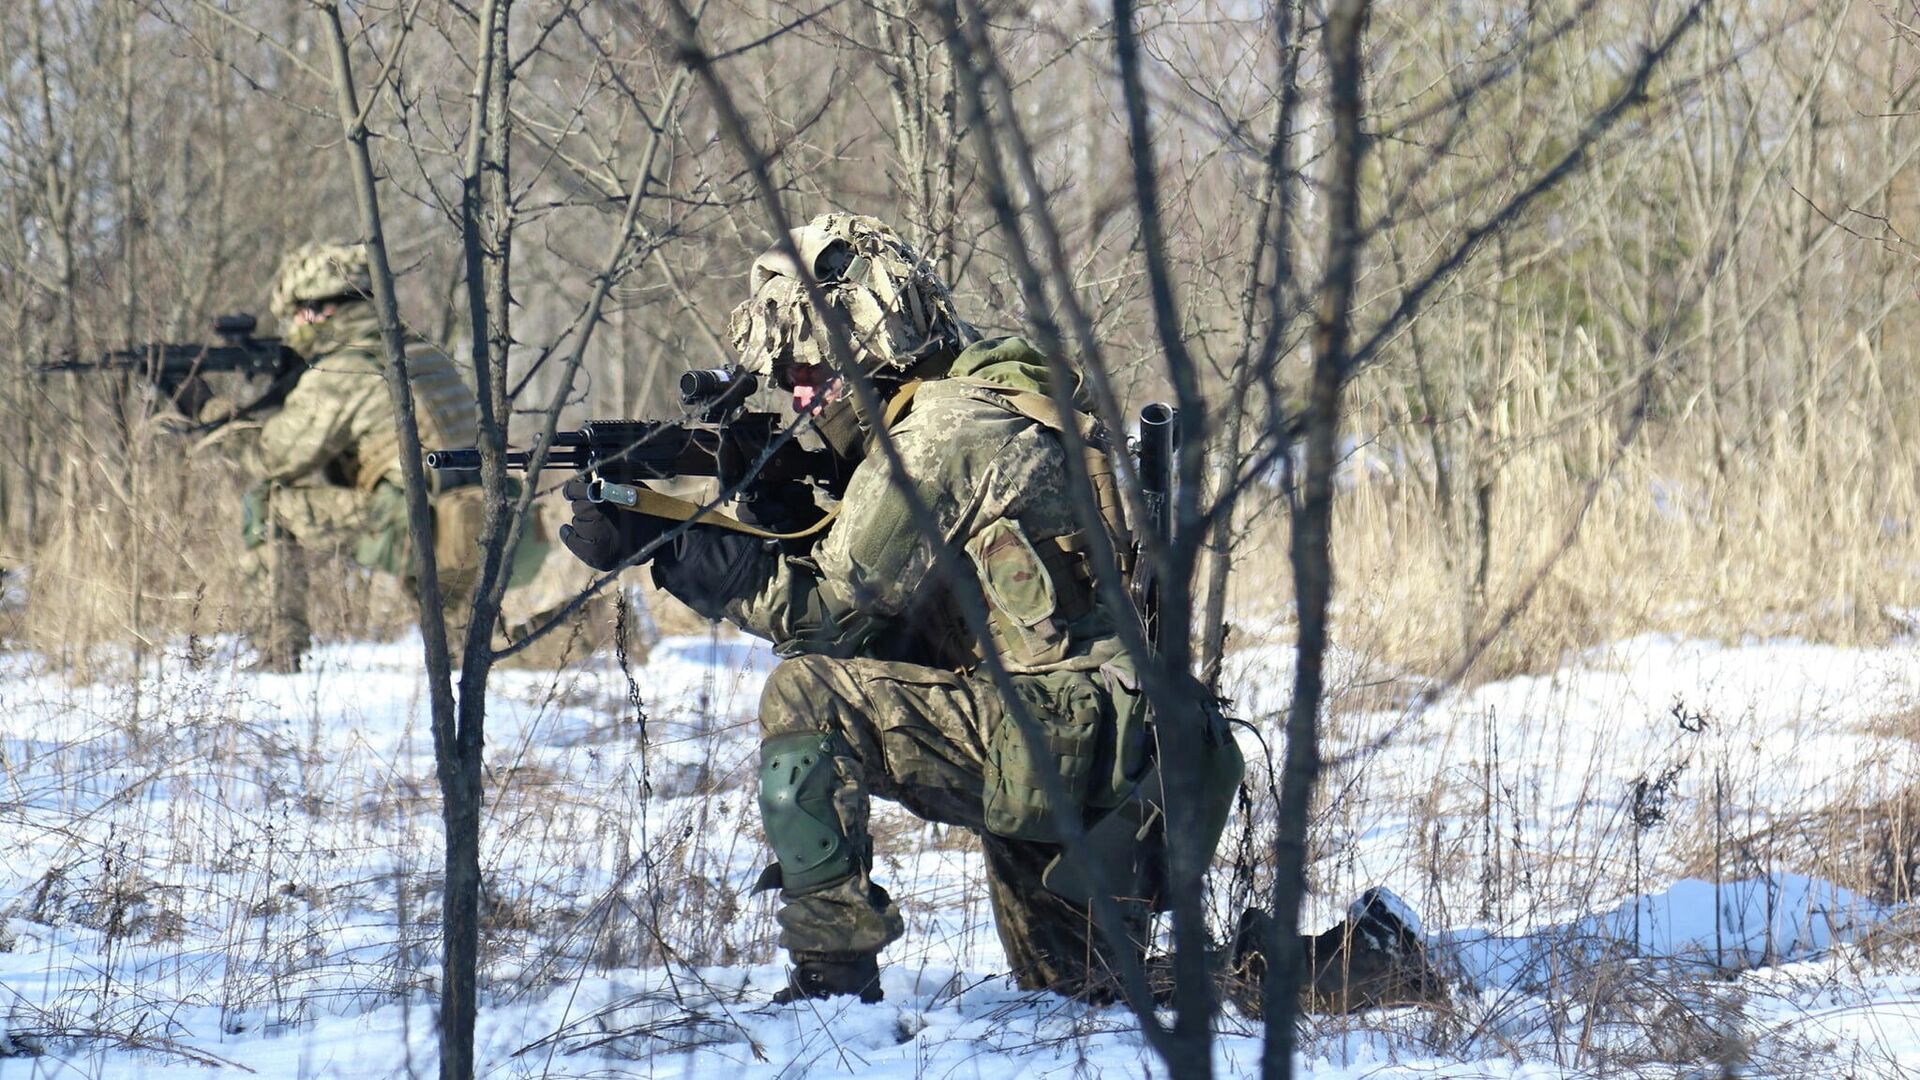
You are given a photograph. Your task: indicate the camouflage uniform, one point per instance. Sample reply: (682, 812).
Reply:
(923, 726)
(882, 691)
(332, 451)
(328, 459)
(883, 675)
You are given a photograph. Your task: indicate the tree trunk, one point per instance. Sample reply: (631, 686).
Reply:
(1312, 550)
(459, 781)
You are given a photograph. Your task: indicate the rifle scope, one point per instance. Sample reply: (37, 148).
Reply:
(239, 324)
(708, 384)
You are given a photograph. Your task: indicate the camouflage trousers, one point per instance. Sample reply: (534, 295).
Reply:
(299, 519)
(369, 527)
(917, 736)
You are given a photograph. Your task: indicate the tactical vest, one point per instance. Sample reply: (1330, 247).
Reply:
(443, 407)
(1047, 620)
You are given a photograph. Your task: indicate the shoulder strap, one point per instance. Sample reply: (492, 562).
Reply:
(1041, 409)
(900, 403)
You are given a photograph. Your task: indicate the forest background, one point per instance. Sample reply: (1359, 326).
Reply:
(1630, 285)
(1733, 264)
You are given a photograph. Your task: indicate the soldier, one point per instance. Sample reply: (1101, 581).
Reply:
(881, 692)
(328, 459)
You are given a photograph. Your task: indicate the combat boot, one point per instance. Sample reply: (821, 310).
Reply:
(825, 975)
(1373, 958)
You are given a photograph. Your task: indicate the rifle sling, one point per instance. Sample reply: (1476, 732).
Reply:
(661, 505)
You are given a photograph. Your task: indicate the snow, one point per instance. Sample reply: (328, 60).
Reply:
(1620, 866)
(1716, 928)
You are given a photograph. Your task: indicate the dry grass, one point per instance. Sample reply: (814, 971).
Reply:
(1801, 529)
(149, 555)
(154, 560)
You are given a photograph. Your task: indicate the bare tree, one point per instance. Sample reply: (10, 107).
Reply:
(1492, 256)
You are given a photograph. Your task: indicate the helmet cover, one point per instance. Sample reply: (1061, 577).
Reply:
(316, 272)
(894, 303)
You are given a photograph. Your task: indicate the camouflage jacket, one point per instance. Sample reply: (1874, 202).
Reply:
(337, 423)
(996, 482)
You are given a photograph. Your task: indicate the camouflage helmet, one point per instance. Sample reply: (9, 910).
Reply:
(318, 271)
(898, 308)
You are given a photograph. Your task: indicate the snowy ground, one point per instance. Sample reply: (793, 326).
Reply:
(1627, 867)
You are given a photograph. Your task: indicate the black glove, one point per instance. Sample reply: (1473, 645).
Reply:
(605, 537)
(707, 567)
(780, 506)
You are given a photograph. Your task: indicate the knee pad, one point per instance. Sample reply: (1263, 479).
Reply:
(797, 779)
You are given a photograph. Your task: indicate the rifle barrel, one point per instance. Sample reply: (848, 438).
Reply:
(562, 456)
(624, 452)
(265, 356)
(1156, 450)
(467, 458)
(1157, 433)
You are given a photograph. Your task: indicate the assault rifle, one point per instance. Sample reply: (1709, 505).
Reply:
(751, 453)
(176, 368)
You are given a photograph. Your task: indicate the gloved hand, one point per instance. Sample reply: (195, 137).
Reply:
(187, 406)
(217, 410)
(706, 568)
(605, 537)
(781, 506)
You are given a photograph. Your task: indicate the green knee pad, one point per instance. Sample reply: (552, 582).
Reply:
(796, 806)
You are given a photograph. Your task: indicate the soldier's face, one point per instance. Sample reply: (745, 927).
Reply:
(301, 330)
(812, 385)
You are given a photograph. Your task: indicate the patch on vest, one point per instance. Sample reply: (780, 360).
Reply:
(1016, 581)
